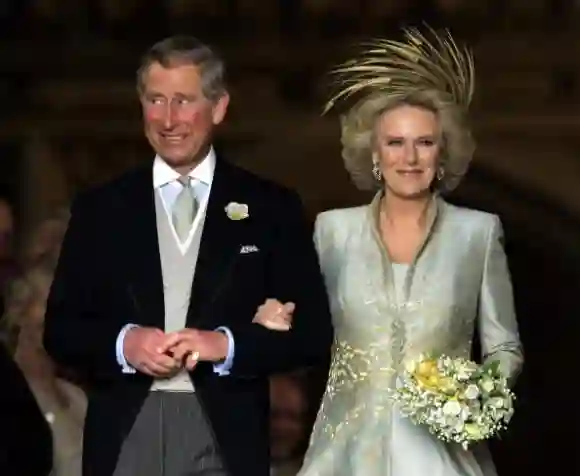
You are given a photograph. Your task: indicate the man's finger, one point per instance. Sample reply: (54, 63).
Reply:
(164, 361)
(143, 369)
(155, 370)
(191, 364)
(152, 373)
(181, 350)
(169, 341)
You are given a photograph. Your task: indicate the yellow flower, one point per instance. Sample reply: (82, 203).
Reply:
(427, 375)
(427, 383)
(447, 385)
(427, 367)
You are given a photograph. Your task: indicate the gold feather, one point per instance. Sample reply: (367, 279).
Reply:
(401, 67)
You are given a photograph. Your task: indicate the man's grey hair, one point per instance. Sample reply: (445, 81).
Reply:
(187, 50)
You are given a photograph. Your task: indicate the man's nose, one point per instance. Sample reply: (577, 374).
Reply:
(169, 117)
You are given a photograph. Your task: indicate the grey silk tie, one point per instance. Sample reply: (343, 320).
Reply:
(184, 209)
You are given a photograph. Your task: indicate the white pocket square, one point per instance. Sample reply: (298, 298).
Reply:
(244, 250)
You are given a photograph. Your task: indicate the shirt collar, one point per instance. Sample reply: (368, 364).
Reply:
(203, 172)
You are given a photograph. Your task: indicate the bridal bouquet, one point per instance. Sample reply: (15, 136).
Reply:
(456, 399)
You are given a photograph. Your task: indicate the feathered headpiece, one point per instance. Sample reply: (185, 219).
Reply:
(401, 67)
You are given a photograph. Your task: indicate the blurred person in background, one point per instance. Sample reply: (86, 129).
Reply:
(8, 263)
(26, 448)
(44, 242)
(62, 402)
(41, 245)
(289, 419)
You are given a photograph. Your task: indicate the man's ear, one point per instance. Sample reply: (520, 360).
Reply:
(220, 108)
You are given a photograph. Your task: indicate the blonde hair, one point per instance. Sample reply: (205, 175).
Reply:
(359, 126)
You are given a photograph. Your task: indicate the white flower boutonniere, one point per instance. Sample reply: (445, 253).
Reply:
(237, 211)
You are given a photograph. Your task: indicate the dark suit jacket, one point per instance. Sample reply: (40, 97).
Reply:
(109, 275)
(26, 448)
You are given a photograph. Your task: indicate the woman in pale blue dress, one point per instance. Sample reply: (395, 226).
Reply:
(409, 273)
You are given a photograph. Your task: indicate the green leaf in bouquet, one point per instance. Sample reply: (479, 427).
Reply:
(490, 367)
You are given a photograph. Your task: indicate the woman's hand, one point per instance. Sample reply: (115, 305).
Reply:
(274, 315)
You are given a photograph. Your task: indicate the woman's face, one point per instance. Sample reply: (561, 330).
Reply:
(407, 146)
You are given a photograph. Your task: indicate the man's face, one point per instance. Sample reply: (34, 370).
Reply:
(6, 229)
(178, 118)
(288, 408)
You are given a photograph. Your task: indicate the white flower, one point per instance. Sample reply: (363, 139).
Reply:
(486, 385)
(496, 402)
(465, 370)
(471, 392)
(473, 431)
(237, 211)
(480, 406)
(452, 408)
(456, 424)
(474, 407)
(508, 401)
(509, 413)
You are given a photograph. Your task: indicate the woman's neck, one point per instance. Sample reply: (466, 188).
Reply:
(402, 212)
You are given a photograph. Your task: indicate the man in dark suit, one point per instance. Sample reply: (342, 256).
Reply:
(26, 448)
(159, 278)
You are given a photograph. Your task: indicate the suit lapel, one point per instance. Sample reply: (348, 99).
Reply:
(220, 244)
(145, 288)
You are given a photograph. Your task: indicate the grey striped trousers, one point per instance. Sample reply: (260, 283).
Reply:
(170, 437)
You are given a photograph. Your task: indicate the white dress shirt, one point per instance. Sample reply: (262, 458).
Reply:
(166, 180)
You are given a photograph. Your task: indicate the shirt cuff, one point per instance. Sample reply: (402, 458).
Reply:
(125, 367)
(223, 368)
